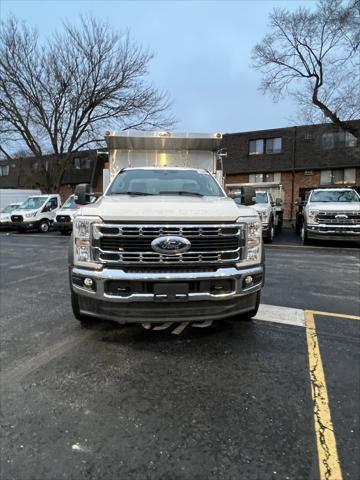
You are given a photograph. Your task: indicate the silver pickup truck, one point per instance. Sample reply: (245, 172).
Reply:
(331, 214)
(164, 244)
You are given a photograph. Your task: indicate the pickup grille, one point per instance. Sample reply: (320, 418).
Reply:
(131, 244)
(17, 218)
(339, 218)
(63, 218)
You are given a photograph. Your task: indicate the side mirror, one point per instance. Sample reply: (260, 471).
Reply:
(246, 196)
(82, 194)
(47, 207)
(278, 202)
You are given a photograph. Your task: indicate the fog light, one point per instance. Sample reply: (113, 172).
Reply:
(88, 282)
(248, 281)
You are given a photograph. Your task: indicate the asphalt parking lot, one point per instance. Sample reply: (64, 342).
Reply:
(276, 398)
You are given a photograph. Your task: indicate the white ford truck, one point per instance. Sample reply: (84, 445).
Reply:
(331, 214)
(164, 244)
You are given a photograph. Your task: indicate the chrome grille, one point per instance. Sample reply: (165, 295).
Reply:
(352, 218)
(63, 218)
(131, 244)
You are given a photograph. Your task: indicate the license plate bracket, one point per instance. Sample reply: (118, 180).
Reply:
(171, 291)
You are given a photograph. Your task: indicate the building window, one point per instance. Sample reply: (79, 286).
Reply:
(273, 145)
(308, 135)
(85, 163)
(4, 170)
(350, 140)
(264, 177)
(76, 163)
(328, 141)
(256, 147)
(81, 163)
(339, 176)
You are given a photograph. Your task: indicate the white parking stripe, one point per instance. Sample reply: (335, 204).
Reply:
(289, 316)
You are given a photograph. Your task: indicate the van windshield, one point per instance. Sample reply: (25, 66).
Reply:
(70, 203)
(165, 182)
(33, 202)
(10, 208)
(261, 197)
(334, 196)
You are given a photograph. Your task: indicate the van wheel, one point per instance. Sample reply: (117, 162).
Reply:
(44, 226)
(85, 320)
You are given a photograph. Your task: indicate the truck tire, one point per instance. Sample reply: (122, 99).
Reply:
(85, 320)
(270, 234)
(303, 234)
(44, 226)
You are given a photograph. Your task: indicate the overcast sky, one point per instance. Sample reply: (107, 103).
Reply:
(202, 53)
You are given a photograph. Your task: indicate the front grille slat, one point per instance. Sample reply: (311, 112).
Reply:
(131, 244)
(17, 218)
(329, 217)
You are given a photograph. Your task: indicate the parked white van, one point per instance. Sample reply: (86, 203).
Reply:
(37, 212)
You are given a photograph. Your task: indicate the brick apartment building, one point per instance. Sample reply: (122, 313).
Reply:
(285, 161)
(83, 167)
(291, 160)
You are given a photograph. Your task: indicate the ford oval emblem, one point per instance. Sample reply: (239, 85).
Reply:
(170, 245)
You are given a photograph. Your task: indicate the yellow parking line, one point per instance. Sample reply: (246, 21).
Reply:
(340, 315)
(329, 464)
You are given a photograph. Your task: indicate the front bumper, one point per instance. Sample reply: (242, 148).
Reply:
(141, 307)
(334, 232)
(31, 224)
(6, 225)
(63, 226)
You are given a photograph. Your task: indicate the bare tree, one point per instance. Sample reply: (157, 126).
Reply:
(61, 95)
(314, 56)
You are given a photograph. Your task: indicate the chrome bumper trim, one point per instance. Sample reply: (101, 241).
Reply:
(100, 277)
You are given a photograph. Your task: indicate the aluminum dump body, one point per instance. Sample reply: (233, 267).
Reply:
(163, 149)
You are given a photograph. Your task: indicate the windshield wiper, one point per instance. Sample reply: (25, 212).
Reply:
(133, 193)
(180, 192)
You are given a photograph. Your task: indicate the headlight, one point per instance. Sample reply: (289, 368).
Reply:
(312, 215)
(82, 240)
(253, 241)
(29, 215)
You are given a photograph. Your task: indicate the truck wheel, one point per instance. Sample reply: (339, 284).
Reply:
(270, 234)
(304, 236)
(44, 226)
(85, 320)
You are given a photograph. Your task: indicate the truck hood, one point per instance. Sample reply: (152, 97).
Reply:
(160, 208)
(335, 206)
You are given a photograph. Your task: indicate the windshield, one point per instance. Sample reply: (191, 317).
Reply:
(165, 182)
(334, 196)
(33, 202)
(261, 197)
(70, 203)
(10, 208)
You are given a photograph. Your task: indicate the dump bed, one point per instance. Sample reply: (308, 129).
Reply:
(163, 149)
